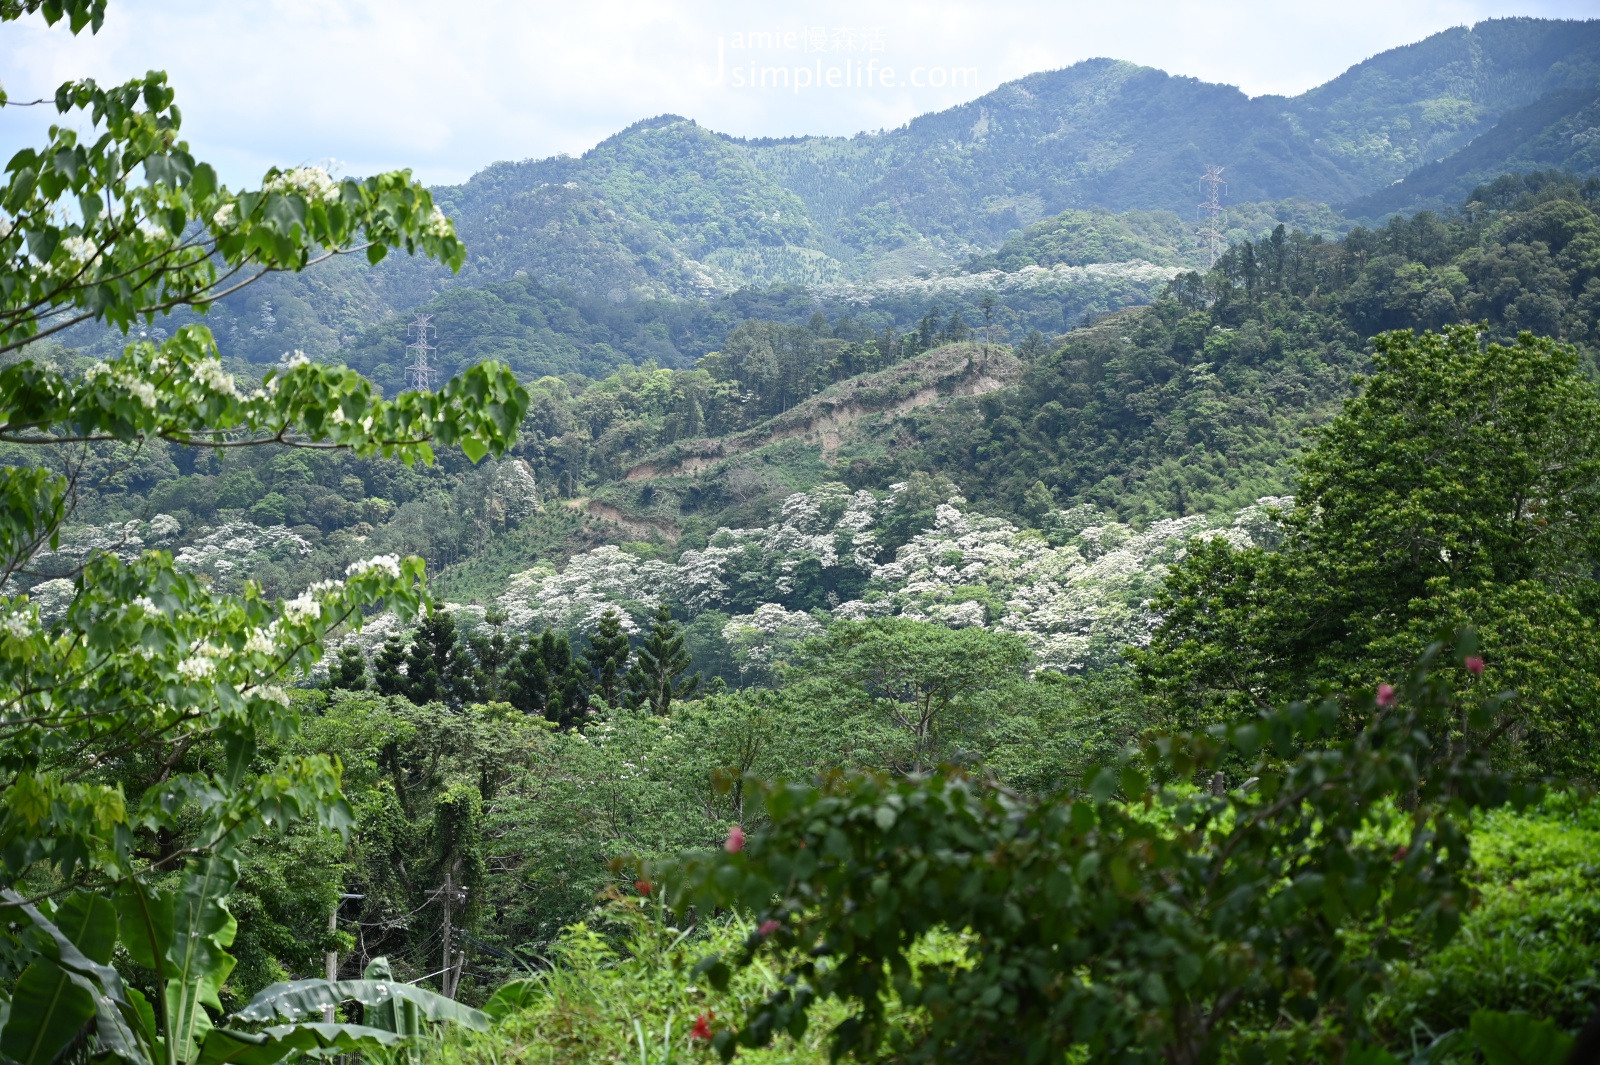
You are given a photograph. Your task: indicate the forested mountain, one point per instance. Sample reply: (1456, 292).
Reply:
(606, 258)
(851, 594)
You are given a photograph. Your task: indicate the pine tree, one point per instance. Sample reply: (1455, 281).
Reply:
(387, 677)
(436, 668)
(662, 660)
(491, 659)
(543, 679)
(350, 672)
(606, 661)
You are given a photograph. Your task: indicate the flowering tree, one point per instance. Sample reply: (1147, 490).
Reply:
(130, 720)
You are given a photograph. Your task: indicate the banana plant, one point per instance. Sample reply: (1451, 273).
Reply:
(70, 997)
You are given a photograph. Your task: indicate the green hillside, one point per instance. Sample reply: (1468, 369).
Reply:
(897, 597)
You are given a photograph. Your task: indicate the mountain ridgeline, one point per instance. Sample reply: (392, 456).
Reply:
(632, 251)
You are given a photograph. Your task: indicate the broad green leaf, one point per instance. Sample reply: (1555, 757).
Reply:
(511, 997)
(90, 922)
(226, 1047)
(295, 999)
(1518, 1039)
(48, 1011)
(198, 964)
(116, 1020)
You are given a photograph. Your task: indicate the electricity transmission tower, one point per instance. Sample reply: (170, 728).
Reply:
(421, 374)
(1212, 216)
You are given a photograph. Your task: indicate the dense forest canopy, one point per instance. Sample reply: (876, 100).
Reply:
(886, 595)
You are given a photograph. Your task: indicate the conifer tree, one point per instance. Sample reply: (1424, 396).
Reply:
(662, 659)
(543, 679)
(437, 670)
(606, 661)
(387, 678)
(491, 659)
(350, 672)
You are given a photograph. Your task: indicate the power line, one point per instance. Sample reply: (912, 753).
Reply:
(1211, 213)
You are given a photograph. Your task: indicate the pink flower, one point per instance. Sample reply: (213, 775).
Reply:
(1474, 665)
(1386, 695)
(702, 1026)
(768, 927)
(735, 842)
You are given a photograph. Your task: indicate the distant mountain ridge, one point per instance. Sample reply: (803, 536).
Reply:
(687, 210)
(669, 210)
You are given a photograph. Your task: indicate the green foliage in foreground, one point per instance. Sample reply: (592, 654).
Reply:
(623, 990)
(131, 728)
(1527, 950)
(1140, 919)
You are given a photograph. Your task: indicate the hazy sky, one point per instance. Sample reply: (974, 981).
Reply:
(447, 87)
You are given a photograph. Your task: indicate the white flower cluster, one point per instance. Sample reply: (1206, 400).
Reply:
(52, 597)
(164, 527)
(312, 182)
(223, 218)
(307, 606)
(234, 549)
(213, 378)
(387, 564)
(77, 544)
(19, 625)
(439, 225)
(513, 493)
(261, 641)
(80, 253)
(576, 598)
(1077, 596)
(141, 390)
(197, 668)
(767, 637)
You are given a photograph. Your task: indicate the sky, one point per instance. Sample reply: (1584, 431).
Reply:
(446, 88)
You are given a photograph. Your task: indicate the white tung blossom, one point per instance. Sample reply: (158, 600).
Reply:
(302, 608)
(387, 564)
(210, 375)
(197, 667)
(439, 225)
(312, 182)
(1078, 593)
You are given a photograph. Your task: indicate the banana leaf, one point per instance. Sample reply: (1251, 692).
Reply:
(69, 990)
(223, 1046)
(296, 999)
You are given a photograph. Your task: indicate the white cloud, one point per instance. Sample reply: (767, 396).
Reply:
(449, 88)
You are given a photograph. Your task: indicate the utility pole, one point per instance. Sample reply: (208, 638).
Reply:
(452, 960)
(1212, 216)
(421, 374)
(330, 959)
